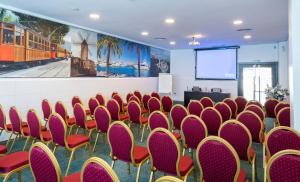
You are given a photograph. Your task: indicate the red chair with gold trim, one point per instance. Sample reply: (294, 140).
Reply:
(280, 106)
(177, 114)
(47, 110)
(195, 107)
(206, 102)
(154, 105)
(218, 161)
(167, 103)
(81, 120)
(224, 110)
(93, 103)
(100, 99)
(71, 143)
(284, 117)
(233, 106)
(44, 166)
(241, 103)
(254, 102)
(270, 105)
(193, 130)
(121, 142)
(156, 95)
(122, 105)
(114, 110)
(212, 119)
(257, 110)
(2, 121)
(62, 111)
(134, 98)
(168, 179)
(128, 96)
(77, 99)
(165, 155)
(114, 93)
(242, 144)
(145, 100)
(138, 94)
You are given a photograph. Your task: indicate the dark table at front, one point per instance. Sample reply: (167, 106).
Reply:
(215, 96)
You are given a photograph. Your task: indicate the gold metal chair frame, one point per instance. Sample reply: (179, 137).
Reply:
(18, 170)
(168, 179)
(93, 98)
(171, 111)
(5, 128)
(119, 110)
(46, 119)
(66, 117)
(232, 114)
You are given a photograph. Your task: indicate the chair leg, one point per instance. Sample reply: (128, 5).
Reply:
(195, 175)
(253, 168)
(70, 130)
(20, 176)
(183, 151)
(265, 174)
(12, 144)
(151, 176)
(26, 143)
(138, 173)
(77, 131)
(113, 164)
(97, 136)
(143, 133)
(46, 122)
(69, 164)
(54, 149)
(8, 141)
(128, 164)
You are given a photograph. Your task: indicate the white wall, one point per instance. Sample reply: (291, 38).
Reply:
(183, 67)
(26, 93)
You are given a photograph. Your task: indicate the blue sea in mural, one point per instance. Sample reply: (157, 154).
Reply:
(122, 71)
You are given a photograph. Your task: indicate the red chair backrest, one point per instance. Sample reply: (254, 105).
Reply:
(241, 103)
(257, 110)
(46, 108)
(34, 124)
(145, 100)
(134, 98)
(206, 102)
(100, 99)
(157, 119)
(138, 94)
(61, 110)
(128, 96)
(114, 93)
(233, 106)
(178, 113)
(212, 119)
(134, 112)
(113, 108)
(195, 107)
(193, 130)
(167, 103)
(2, 118)
(80, 115)
(280, 106)
(58, 129)
(103, 119)
(254, 102)
(154, 104)
(120, 102)
(270, 105)
(75, 100)
(224, 110)
(284, 117)
(156, 95)
(93, 103)
(15, 119)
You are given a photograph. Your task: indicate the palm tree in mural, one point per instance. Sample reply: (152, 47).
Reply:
(139, 48)
(110, 47)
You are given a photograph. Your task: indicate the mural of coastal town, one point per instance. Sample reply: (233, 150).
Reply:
(34, 47)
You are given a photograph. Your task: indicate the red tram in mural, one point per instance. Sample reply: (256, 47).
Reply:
(20, 46)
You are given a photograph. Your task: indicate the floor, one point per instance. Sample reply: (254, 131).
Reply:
(102, 151)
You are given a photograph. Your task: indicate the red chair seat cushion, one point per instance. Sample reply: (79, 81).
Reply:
(87, 111)
(3, 149)
(24, 124)
(251, 153)
(185, 164)
(123, 117)
(242, 176)
(75, 140)
(72, 178)
(26, 131)
(91, 124)
(144, 120)
(46, 135)
(71, 121)
(176, 135)
(13, 161)
(140, 153)
(43, 128)
(144, 111)
(9, 127)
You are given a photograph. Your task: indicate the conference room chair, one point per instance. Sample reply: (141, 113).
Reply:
(284, 166)
(242, 144)
(269, 106)
(136, 117)
(100, 99)
(47, 110)
(62, 111)
(154, 104)
(212, 119)
(158, 119)
(195, 107)
(93, 104)
(2, 120)
(96, 169)
(35, 129)
(257, 110)
(224, 110)
(77, 99)
(122, 105)
(168, 179)
(177, 114)
(167, 103)
(134, 98)
(103, 120)
(13, 163)
(114, 93)
(193, 131)
(280, 106)
(45, 167)
(254, 125)
(206, 102)
(156, 95)
(254, 102)
(284, 117)
(128, 96)
(233, 106)
(241, 103)
(71, 143)
(114, 110)
(122, 145)
(218, 161)
(145, 100)
(138, 94)
(165, 155)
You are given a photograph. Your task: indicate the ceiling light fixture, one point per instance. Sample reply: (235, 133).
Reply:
(169, 21)
(172, 43)
(194, 42)
(94, 16)
(197, 36)
(144, 33)
(238, 22)
(247, 36)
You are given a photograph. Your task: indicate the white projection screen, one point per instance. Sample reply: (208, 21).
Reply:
(216, 64)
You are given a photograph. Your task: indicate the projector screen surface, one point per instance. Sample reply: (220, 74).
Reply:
(216, 64)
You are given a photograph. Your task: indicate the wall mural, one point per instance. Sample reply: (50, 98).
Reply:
(35, 47)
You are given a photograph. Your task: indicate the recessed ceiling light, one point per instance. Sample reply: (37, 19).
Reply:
(198, 36)
(94, 16)
(172, 43)
(169, 21)
(194, 42)
(247, 36)
(144, 33)
(238, 22)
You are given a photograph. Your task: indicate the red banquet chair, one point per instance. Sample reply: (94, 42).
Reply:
(2, 121)
(195, 107)
(254, 102)
(284, 117)
(134, 98)
(128, 96)
(138, 94)
(280, 106)
(233, 106)
(193, 130)
(136, 117)
(241, 103)
(96, 169)
(62, 111)
(254, 125)
(145, 100)
(284, 166)
(100, 99)
(270, 105)
(121, 142)
(71, 143)
(122, 105)
(167, 103)
(114, 93)
(206, 102)
(44, 165)
(114, 110)
(257, 110)
(165, 155)
(47, 110)
(157, 119)
(177, 114)
(93, 103)
(224, 110)
(218, 161)
(212, 119)
(103, 120)
(242, 144)
(13, 163)
(77, 99)
(154, 104)
(156, 95)
(81, 120)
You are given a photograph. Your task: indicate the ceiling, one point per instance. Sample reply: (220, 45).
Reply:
(268, 19)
